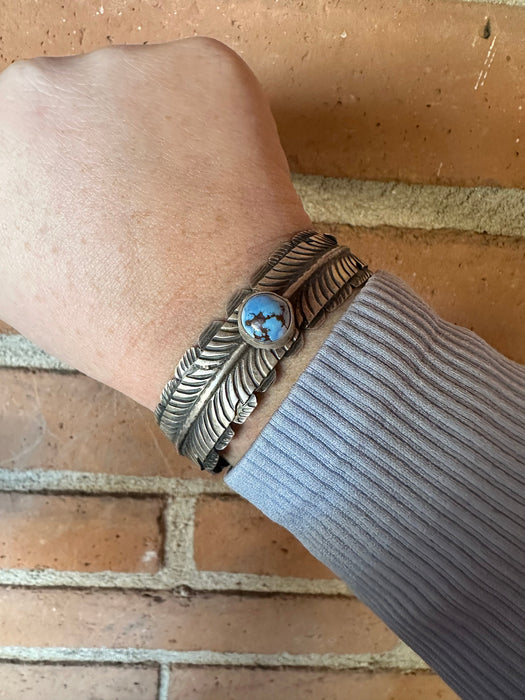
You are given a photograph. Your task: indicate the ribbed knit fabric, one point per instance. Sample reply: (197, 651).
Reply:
(397, 459)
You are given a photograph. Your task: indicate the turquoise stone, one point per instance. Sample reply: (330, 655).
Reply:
(265, 319)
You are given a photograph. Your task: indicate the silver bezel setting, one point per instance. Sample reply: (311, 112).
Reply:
(267, 344)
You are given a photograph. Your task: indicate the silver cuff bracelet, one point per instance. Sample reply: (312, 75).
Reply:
(216, 380)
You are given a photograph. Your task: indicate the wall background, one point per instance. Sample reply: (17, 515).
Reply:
(124, 573)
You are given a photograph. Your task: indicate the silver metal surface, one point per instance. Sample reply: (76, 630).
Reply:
(216, 380)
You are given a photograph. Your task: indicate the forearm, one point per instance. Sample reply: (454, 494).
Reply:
(397, 459)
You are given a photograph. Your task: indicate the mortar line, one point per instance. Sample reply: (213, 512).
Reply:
(17, 351)
(87, 483)
(231, 582)
(164, 682)
(372, 203)
(51, 578)
(200, 582)
(178, 520)
(396, 659)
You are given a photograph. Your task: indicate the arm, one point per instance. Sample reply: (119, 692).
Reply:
(398, 460)
(140, 186)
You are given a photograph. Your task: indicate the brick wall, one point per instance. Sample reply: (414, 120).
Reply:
(125, 573)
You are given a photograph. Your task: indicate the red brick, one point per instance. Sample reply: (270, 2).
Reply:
(225, 623)
(291, 684)
(53, 682)
(80, 533)
(232, 535)
(61, 421)
(369, 91)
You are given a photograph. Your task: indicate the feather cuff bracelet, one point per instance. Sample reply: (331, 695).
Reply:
(216, 380)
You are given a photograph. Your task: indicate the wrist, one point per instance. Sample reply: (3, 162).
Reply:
(288, 372)
(215, 385)
(187, 303)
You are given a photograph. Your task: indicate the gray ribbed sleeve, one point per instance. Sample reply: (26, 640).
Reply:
(397, 459)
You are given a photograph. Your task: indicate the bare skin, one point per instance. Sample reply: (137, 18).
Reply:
(140, 186)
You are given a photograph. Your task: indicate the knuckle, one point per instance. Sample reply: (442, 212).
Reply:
(27, 91)
(28, 76)
(17, 71)
(210, 47)
(208, 44)
(206, 48)
(197, 49)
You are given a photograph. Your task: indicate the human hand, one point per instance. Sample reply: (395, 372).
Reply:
(140, 186)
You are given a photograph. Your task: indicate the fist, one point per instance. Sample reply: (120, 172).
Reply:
(139, 187)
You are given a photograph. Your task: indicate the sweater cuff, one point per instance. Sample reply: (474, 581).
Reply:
(397, 460)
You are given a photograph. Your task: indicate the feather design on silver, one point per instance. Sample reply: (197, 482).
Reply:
(357, 281)
(331, 283)
(216, 381)
(245, 409)
(280, 253)
(281, 271)
(220, 341)
(210, 431)
(185, 363)
(195, 371)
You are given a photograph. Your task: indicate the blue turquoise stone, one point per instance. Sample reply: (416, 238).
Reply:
(266, 317)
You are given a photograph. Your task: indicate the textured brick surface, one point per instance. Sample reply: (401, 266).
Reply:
(295, 624)
(258, 684)
(42, 682)
(409, 90)
(232, 535)
(416, 91)
(83, 533)
(60, 421)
